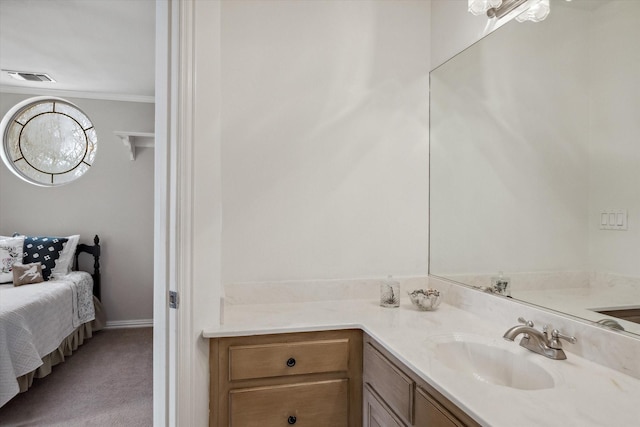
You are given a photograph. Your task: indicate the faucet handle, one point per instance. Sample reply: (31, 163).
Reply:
(529, 323)
(556, 335)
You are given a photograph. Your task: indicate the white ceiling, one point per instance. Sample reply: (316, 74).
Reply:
(100, 49)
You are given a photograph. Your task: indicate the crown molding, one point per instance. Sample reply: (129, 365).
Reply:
(77, 94)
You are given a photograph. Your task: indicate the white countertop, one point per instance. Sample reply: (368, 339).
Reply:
(585, 393)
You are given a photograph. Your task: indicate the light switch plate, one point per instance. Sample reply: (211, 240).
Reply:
(613, 219)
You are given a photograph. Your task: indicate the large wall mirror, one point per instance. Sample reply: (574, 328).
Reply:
(535, 162)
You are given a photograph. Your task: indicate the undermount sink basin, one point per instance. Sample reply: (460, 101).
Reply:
(492, 364)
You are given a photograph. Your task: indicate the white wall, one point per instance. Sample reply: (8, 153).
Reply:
(324, 139)
(114, 200)
(614, 135)
(323, 149)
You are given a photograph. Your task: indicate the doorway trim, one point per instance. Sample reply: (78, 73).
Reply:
(164, 330)
(188, 206)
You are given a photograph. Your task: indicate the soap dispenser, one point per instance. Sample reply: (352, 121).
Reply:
(500, 285)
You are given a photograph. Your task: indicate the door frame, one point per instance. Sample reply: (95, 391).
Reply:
(187, 199)
(165, 329)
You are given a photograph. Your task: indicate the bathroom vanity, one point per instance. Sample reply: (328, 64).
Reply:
(357, 363)
(316, 379)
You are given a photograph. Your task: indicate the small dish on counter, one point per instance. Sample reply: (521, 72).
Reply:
(425, 299)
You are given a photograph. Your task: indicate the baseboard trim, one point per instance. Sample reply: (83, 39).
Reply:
(121, 324)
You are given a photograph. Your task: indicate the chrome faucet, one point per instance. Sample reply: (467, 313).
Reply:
(540, 342)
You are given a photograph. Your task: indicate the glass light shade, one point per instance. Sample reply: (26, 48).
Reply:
(537, 11)
(479, 7)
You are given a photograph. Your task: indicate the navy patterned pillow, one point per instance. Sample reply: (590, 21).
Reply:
(45, 250)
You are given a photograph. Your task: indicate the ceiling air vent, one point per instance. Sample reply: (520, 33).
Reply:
(31, 77)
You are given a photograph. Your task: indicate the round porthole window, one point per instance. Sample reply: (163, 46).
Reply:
(47, 141)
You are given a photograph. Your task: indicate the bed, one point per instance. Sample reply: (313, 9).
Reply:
(42, 323)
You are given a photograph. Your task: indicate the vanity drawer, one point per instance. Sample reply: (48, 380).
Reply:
(288, 358)
(314, 404)
(389, 382)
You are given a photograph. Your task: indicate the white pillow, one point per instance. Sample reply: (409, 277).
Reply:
(11, 252)
(65, 262)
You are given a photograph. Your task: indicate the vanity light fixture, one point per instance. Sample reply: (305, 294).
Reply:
(480, 7)
(525, 10)
(537, 12)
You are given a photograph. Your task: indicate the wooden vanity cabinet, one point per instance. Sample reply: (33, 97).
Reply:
(396, 397)
(310, 379)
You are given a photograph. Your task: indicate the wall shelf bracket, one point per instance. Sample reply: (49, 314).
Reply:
(134, 140)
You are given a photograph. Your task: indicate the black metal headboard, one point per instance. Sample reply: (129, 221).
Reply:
(95, 251)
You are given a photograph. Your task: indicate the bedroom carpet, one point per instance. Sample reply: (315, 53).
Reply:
(106, 382)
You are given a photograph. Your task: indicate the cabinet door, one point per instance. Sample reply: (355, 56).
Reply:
(376, 414)
(314, 404)
(429, 413)
(389, 382)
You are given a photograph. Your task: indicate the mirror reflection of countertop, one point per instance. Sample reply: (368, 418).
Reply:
(584, 393)
(586, 302)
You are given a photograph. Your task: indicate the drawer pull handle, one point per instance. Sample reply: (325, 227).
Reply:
(291, 363)
(292, 419)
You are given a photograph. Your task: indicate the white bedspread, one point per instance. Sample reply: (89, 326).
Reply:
(35, 319)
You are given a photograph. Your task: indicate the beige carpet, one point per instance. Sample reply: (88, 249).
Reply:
(106, 382)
